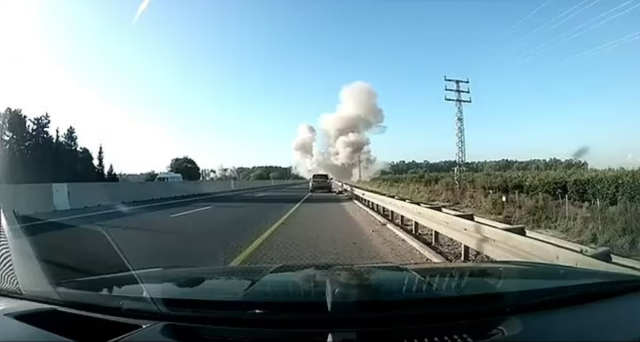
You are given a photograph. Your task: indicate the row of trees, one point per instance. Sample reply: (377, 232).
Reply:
(190, 171)
(30, 154)
(266, 172)
(415, 167)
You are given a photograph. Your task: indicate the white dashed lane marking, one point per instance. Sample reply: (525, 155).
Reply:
(190, 211)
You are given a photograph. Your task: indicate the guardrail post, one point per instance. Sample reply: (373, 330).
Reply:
(435, 237)
(602, 253)
(392, 216)
(490, 238)
(465, 253)
(401, 221)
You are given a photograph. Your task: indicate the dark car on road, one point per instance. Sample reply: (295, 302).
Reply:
(320, 181)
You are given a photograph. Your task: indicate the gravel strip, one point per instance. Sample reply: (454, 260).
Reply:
(449, 248)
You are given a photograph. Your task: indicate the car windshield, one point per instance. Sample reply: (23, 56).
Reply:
(182, 157)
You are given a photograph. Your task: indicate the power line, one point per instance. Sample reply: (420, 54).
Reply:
(617, 45)
(603, 22)
(460, 141)
(572, 15)
(554, 19)
(613, 43)
(559, 39)
(359, 169)
(529, 15)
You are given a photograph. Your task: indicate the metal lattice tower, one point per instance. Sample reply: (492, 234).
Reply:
(461, 153)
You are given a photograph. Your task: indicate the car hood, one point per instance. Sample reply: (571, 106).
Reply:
(283, 283)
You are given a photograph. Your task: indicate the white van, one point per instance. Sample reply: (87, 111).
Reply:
(169, 177)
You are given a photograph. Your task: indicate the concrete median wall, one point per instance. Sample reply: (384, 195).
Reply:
(25, 197)
(39, 198)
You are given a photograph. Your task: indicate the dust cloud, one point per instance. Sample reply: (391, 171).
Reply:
(345, 134)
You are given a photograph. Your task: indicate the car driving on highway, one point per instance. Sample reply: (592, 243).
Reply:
(320, 182)
(298, 171)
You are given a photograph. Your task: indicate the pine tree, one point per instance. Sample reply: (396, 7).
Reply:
(70, 138)
(100, 176)
(111, 175)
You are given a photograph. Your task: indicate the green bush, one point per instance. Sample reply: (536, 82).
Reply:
(607, 186)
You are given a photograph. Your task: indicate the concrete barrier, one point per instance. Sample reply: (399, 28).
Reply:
(40, 198)
(26, 197)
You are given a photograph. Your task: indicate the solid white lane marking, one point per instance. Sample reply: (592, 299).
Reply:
(190, 211)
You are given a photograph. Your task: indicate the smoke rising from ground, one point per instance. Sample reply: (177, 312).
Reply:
(345, 142)
(581, 152)
(303, 145)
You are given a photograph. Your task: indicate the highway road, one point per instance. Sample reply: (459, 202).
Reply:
(286, 225)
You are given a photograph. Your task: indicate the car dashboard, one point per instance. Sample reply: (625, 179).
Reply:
(614, 318)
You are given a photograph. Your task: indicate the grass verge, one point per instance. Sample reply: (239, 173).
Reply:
(616, 226)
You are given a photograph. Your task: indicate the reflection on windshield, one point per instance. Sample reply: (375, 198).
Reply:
(224, 152)
(303, 283)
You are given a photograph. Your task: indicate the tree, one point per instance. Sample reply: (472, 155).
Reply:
(56, 171)
(84, 171)
(276, 175)
(70, 139)
(111, 175)
(29, 153)
(258, 175)
(100, 175)
(39, 163)
(150, 176)
(15, 141)
(185, 166)
(69, 156)
(264, 172)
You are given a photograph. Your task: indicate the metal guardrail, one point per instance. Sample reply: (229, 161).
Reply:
(493, 239)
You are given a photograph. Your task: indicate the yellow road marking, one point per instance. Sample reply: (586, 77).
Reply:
(245, 254)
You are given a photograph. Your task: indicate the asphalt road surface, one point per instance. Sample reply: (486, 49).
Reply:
(268, 226)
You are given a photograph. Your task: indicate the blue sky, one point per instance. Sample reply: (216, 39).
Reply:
(228, 82)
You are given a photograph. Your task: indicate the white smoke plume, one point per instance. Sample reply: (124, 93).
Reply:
(346, 145)
(303, 145)
(226, 173)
